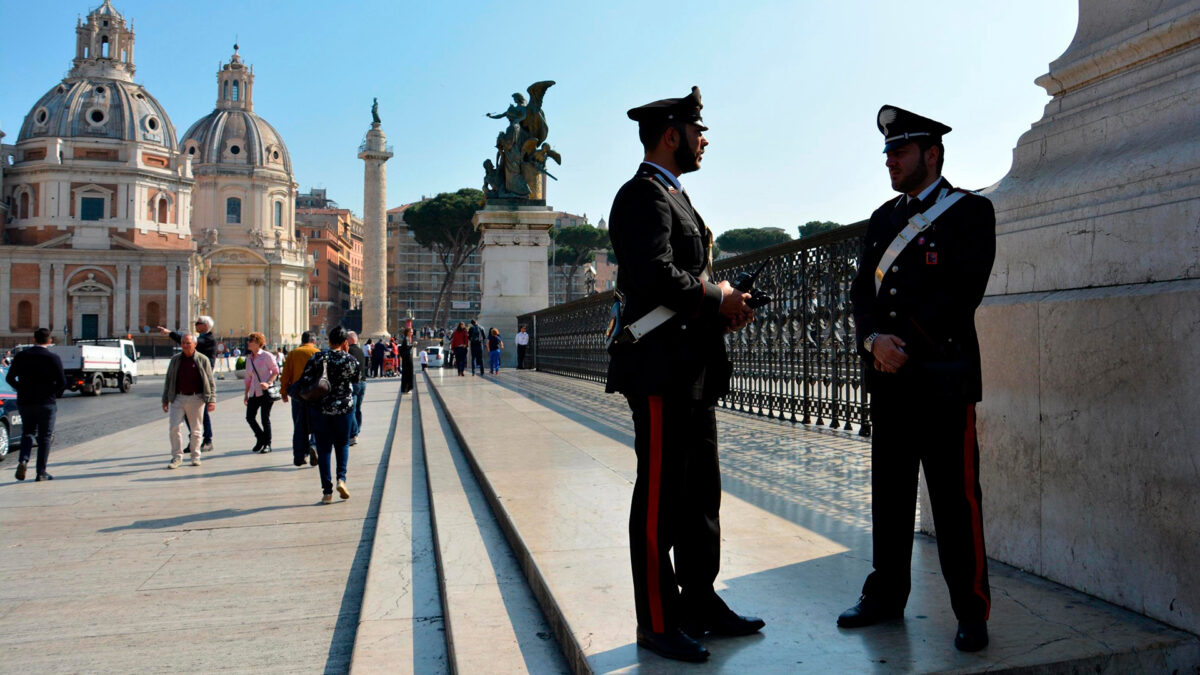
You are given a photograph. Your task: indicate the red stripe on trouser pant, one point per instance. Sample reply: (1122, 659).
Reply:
(655, 487)
(969, 481)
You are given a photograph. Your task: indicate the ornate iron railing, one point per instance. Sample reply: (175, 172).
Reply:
(797, 361)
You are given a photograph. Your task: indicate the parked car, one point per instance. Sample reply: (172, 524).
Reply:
(437, 356)
(10, 421)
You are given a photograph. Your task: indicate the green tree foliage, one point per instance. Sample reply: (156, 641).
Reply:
(443, 224)
(575, 246)
(817, 227)
(747, 239)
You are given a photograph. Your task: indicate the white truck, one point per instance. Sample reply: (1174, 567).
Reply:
(91, 365)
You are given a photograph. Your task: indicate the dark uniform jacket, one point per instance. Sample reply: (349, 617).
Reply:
(662, 246)
(928, 297)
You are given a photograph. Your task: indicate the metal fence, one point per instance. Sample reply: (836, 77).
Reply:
(797, 361)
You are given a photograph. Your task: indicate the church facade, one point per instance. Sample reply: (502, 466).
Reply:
(111, 224)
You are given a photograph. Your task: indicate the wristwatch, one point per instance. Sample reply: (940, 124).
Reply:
(869, 342)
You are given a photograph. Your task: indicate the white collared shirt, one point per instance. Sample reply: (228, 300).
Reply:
(928, 189)
(667, 174)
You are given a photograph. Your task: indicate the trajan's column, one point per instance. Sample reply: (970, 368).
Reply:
(375, 152)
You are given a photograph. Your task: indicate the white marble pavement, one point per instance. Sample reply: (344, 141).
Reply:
(554, 459)
(119, 565)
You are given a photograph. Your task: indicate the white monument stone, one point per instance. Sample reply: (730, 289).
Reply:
(375, 152)
(515, 242)
(1089, 426)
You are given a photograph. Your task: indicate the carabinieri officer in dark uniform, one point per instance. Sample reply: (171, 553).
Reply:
(914, 308)
(672, 376)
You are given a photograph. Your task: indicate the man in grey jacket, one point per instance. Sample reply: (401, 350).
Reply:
(188, 391)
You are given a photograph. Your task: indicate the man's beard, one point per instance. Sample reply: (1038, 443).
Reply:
(686, 159)
(914, 180)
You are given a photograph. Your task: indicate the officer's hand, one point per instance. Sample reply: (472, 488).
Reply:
(741, 321)
(212, 407)
(888, 351)
(733, 304)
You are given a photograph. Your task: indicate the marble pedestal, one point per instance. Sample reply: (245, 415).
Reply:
(514, 279)
(1088, 428)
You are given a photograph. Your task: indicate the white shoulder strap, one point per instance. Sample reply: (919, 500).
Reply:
(916, 225)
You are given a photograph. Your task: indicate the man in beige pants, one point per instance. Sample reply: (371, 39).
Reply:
(188, 389)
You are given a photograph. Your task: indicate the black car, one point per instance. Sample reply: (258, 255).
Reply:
(10, 423)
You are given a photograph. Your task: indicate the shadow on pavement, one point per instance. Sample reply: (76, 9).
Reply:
(219, 514)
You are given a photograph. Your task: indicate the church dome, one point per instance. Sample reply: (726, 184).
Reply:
(236, 138)
(92, 107)
(98, 98)
(232, 134)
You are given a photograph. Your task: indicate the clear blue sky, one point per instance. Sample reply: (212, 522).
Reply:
(790, 88)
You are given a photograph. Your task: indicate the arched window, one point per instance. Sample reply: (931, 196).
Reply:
(278, 214)
(225, 95)
(104, 47)
(24, 314)
(152, 318)
(23, 206)
(233, 210)
(236, 89)
(162, 210)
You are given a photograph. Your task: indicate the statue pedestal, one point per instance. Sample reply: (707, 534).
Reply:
(1088, 446)
(514, 280)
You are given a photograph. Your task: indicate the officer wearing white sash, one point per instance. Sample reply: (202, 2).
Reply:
(924, 267)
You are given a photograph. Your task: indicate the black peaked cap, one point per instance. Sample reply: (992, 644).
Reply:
(685, 109)
(900, 126)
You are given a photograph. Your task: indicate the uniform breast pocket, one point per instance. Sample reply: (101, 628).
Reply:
(689, 243)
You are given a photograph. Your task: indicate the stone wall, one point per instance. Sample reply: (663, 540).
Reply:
(1089, 430)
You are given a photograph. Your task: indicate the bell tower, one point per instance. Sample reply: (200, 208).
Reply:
(103, 46)
(235, 84)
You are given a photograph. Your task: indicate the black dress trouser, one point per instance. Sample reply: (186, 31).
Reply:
(910, 430)
(676, 505)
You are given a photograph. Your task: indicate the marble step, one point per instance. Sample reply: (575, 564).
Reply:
(558, 475)
(493, 622)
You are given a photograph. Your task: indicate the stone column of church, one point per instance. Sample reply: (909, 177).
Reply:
(374, 152)
(135, 314)
(60, 298)
(173, 321)
(43, 295)
(120, 325)
(5, 325)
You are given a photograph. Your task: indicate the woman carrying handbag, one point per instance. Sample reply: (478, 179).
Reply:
(262, 389)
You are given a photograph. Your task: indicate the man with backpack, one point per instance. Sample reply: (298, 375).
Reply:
(475, 337)
(303, 442)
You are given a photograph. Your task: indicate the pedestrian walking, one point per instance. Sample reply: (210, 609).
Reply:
(360, 387)
(37, 375)
(404, 351)
(378, 353)
(522, 340)
(919, 283)
(424, 359)
(333, 415)
(206, 344)
(261, 373)
(458, 344)
(494, 344)
(672, 377)
(476, 335)
(188, 390)
(304, 444)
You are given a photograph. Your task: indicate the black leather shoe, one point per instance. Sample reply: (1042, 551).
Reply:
(265, 449)
(672, 644)
(868, 612)
(972, 636)
(206, 446)
(298, 461)
(725, 623)
(257, 446)
(312, 456)
(21, 470)
(45, 476)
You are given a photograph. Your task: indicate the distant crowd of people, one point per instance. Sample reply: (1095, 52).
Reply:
(324, 388)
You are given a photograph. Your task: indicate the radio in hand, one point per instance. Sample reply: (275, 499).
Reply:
(745, 283)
